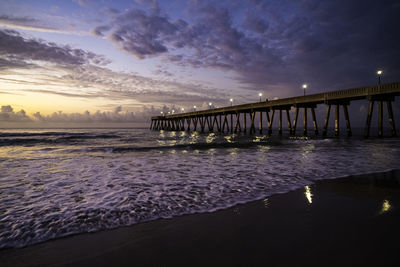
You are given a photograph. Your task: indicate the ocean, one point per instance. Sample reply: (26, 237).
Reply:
(58, 182)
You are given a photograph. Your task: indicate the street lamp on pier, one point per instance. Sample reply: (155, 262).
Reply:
(209, 105)
(194, 108)
(260, 95)
(231, 100)
(304, 88)
(379, 73)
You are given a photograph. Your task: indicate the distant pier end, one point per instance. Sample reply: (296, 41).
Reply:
(228, 119)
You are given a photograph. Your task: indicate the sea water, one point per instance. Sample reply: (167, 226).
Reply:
(58, 182)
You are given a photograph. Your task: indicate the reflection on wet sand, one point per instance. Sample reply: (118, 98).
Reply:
(308, 193)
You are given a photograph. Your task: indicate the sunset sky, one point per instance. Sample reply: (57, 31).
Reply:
(127, 60)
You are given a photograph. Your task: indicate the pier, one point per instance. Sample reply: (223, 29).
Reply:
(236, 118)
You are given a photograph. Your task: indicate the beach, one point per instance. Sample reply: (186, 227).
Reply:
(351, 221)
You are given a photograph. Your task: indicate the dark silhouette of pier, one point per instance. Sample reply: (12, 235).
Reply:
(228, 119)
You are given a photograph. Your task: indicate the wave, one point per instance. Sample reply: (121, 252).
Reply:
(27, 134)
(26, 139)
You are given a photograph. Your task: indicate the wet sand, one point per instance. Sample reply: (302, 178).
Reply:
(352, 221)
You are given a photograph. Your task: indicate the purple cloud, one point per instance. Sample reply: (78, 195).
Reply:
(17, 50)
(329, 44)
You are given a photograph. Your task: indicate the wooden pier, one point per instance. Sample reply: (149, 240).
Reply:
(234, 118)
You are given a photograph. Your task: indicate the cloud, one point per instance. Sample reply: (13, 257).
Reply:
(68, 72)
(7, 114)
(17, 51)
(17, 20)
(119, 115)
(140, 33)
(330, 44)
(87, 117)
(99, 31)
(28, 23)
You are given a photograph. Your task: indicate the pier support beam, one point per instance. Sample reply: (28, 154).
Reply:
(305, 122)
(209, 124)
(314, 121)
(369, 117)
(252, 127)
(391, 119)
(380, 118)
(260, 123)
(296, 116)
(271, 122)
(337, 104)
(337, 120)
(280, 122)
(215, 122)
(194, 123)
(268, 118)
(289, 121)
(244, 122)
(225, 123)
(231, 122)
(328, 111)
(380, 99)
(346, 117)
(173, 124)
(202, 123)
(220, 124)
(237, 126)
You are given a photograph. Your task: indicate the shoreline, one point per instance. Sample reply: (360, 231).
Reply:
(344, 221)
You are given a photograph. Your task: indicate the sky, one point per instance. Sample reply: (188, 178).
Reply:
(124, 61)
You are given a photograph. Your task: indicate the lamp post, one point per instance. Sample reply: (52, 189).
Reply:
(304, 88)
(173, 111)
(379, 73)
(231, 100)
(182, 109)
(162, 113)
(260, 95)
(209, 105)
(194, 108)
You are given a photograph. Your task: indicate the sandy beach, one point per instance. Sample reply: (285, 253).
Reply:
(349, 221)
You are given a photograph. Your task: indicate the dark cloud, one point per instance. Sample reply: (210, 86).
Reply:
(330, 44)
(17, 20)
(28, 23)
(17, 51)
(99, 31)
(140, 33)
(255, 24)
(7, 114)
(81, 95)
(111, 11)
